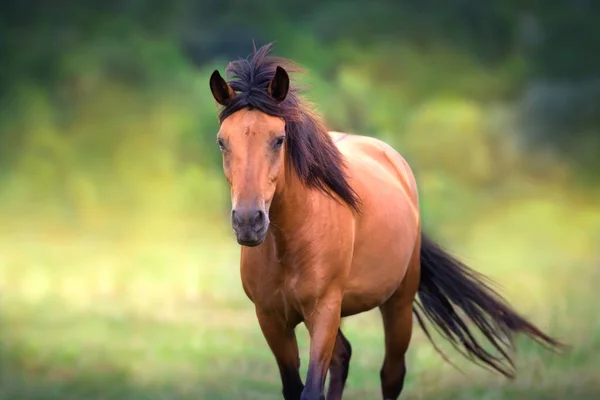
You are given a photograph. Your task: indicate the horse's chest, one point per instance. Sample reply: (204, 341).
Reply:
(277, 293)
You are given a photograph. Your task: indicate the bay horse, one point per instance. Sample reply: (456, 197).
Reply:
(330, 227)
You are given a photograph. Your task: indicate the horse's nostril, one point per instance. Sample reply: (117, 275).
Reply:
(234, 218)
(254, 218)
(258, 218)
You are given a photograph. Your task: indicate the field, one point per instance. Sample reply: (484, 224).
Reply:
(90, 318)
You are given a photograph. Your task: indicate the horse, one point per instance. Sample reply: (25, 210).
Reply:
(329, 227)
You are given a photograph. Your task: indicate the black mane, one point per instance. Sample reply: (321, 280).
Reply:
(315, 158)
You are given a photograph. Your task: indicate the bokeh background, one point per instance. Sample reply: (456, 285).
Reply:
(119, 274)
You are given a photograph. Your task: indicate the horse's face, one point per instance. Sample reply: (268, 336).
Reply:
(252, 144)
(253, 158)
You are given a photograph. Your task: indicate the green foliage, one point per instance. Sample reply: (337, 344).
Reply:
(116, 117)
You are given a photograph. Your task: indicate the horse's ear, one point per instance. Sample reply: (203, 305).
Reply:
(221, 91)
(279, 85)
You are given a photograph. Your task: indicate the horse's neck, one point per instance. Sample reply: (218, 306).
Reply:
(291, 207)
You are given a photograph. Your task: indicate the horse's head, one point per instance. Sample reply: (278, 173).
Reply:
(252, 144)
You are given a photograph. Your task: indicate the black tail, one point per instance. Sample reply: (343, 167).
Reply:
(447, 284)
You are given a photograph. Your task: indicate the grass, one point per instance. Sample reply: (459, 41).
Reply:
(88, 319)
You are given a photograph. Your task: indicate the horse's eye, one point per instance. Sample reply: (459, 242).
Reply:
(279, 142)
(221, 143)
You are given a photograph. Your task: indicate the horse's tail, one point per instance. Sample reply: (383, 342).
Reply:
(447, 284)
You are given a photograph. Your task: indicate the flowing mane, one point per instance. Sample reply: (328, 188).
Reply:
(310, 150)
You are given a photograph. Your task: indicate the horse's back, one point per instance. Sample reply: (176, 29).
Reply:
(368, 156)
(386, 230)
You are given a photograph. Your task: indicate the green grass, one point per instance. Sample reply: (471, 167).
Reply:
(86, 319)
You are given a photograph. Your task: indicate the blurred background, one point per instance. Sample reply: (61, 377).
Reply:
(119, 275)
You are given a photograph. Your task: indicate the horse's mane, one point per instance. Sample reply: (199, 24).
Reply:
(310, 150)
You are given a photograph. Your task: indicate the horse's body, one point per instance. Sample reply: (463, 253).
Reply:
(331, 227)
(372, 250)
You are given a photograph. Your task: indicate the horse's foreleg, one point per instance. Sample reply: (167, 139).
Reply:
(339, 367)
(322, 319)
(282, 342)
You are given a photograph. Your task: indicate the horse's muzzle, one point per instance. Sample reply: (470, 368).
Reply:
(250, 225)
